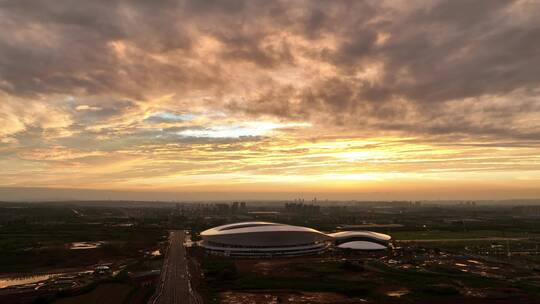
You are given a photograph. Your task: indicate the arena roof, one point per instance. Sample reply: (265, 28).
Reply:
(362, 245)
(352, 234)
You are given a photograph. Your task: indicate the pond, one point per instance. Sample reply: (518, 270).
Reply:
(12, 281)
(84, 245)
(9, 281)
(398, 293)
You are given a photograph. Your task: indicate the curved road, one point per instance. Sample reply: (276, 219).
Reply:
(174, 285)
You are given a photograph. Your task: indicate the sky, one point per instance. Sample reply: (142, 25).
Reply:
(271, 99)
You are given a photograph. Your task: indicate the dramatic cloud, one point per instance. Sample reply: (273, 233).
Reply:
(179, 94)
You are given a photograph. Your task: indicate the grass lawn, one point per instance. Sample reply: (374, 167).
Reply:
(441, 234)
(111, 293)
(24, 248)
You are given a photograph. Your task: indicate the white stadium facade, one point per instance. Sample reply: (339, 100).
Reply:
(255, 239)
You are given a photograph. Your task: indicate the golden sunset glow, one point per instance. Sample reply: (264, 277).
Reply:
(366, 99)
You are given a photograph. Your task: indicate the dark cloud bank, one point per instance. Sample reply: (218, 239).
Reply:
(443, 68)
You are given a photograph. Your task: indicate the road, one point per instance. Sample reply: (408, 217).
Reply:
(174, 285)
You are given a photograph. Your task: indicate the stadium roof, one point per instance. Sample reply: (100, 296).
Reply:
(254, 227)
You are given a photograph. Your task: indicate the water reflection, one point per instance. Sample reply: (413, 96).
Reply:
(84, 245)
(398, 293)
(24, 280)
(6, 282)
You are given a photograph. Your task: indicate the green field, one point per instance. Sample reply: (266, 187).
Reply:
(111, 293)
(366, 279)
(25, 247)
(468, 234)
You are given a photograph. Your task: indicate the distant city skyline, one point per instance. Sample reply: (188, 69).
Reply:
(54, 194)
(270, 99)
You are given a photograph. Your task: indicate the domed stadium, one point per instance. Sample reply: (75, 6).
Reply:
(250, 239)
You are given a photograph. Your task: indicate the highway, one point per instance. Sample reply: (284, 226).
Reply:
(174, 283)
